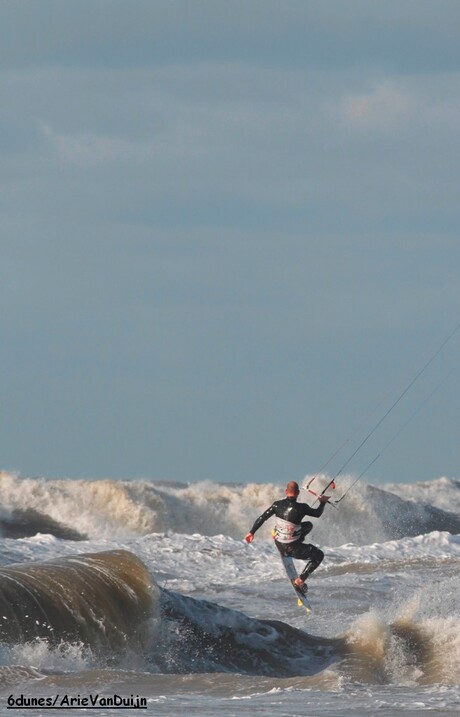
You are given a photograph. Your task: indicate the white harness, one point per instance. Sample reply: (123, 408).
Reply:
(286, 532)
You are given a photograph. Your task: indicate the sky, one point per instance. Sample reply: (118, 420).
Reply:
(229, 238)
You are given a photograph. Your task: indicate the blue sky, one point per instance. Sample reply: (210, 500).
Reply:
(229, 237)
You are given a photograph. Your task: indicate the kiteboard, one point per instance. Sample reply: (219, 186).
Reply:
(291, 572)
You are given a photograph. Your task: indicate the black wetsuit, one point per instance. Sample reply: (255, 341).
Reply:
(290, 541)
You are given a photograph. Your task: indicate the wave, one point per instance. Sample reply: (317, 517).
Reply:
(93, 509)
(377, 515)
(103, 600)
(17, 674)
(108, 602)
(203, 637)
(441, 493)
(75, 509)
(404, 652)
(429, 547)
(29, 522)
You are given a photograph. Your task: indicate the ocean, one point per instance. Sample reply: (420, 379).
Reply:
(140, 597)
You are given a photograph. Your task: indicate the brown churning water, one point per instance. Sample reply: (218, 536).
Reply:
(98, 599)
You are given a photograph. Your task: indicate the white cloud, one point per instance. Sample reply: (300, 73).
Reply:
(90, 149)
(387, 106)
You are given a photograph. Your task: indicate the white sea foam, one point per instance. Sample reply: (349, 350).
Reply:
(119, 509)
(436, 545)
(442, 493)
(388, 589)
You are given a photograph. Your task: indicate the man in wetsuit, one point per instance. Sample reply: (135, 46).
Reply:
(290, 532)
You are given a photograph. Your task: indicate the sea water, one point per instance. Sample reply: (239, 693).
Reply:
(225, 635)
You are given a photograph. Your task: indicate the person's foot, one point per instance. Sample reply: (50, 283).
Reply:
(300, 585)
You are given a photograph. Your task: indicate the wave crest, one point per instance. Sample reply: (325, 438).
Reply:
(113, 509)
(99, 599)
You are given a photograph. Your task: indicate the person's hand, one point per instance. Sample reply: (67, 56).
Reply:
(324, 498)
(249, 538)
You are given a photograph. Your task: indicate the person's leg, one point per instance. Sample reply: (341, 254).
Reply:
(313, 555)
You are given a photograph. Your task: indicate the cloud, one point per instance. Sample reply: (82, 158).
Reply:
(385, 107)
(218, 138)
(209, 203)
(90, 150)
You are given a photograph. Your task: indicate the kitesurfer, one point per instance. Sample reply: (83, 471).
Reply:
(289, 532)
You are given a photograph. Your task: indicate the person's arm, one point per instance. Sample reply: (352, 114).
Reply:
(316, 512)
(260, 521)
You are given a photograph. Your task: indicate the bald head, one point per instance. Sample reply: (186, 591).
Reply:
(292, 489)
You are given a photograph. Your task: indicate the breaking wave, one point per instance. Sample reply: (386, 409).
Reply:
(76, 610)
(76, 509)
(199, 636)
(102, 600)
